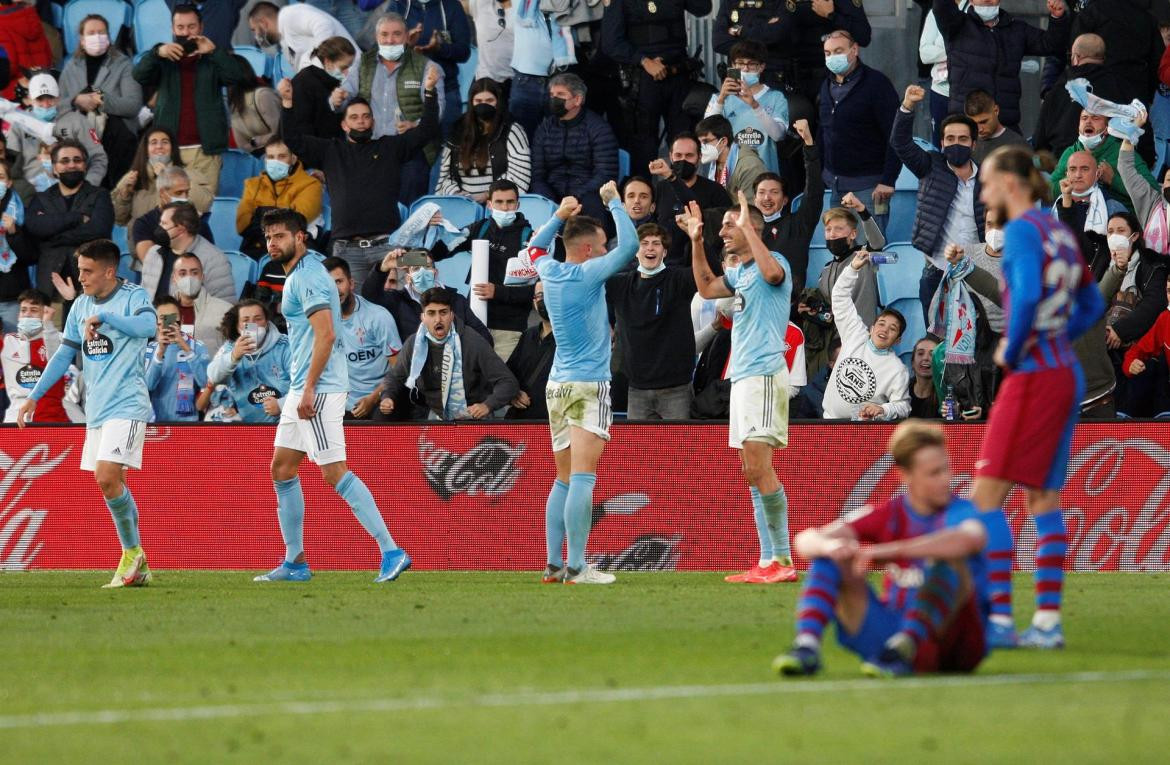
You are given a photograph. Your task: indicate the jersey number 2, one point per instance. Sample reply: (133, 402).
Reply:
(1061, 277)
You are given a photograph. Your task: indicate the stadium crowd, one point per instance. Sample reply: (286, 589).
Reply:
(176, 141)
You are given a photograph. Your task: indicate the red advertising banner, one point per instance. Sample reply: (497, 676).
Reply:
(472, 496)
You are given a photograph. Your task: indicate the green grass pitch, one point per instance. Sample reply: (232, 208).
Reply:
(207, 667)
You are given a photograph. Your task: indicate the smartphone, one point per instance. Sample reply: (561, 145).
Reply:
(169, 320)
(414, 258)
(249, 331)
(733, 74)
(189, 46)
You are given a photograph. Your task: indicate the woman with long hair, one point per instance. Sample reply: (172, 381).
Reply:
(137, 191)
(485, 145)
(318, 86)
(255, 111)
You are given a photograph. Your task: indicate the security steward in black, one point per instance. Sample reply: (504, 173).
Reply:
(651, 35)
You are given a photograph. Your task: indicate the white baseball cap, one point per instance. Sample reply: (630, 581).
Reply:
(43, 85)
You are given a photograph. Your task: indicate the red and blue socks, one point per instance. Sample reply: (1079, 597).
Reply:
(818, 602)
(1000, 555)
(933, 604)
(1051, 548)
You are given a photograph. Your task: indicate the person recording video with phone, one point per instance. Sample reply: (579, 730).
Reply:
(176, 367)
(252, 364)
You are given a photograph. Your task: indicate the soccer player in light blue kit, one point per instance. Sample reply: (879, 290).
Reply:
(758, 371)
(311, 420)
(577, 394)
(110, 324)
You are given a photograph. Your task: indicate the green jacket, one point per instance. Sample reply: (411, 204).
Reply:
(411, 70)
(212, 73)
(1106, 151)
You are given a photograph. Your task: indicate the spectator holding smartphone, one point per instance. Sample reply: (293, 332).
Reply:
(253, 363)
(176, 367)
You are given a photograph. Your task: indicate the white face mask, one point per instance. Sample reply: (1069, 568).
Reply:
(708, 153)
(995, 239)
(987, 12)
(189, 285)
(95, 45)
(1119, 243)
(1091, 142)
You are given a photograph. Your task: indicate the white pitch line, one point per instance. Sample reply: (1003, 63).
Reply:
(543, 698)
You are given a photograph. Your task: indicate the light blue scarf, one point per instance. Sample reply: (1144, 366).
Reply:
(952, 314)
(453, 396)
(417, 230)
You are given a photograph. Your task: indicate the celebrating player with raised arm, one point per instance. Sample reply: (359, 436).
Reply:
(579, 412)
(758, 371)
(311, 421)
(110, 324)
(931, 615)
(1049, 301)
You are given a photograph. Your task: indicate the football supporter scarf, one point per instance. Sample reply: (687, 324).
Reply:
(952, 314)
(452, 394)
(1157, 231)
(1129, 281)
(1097, 218)
(417, 230)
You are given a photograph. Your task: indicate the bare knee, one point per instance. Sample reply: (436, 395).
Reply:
(285, 464)
(109, 480)
(1041, 501)
(334, 472)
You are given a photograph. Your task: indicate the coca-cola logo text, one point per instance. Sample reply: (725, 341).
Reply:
(19, 525)
(490, 468)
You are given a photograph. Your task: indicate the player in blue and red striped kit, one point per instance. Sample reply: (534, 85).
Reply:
(932, 614)
(1050, 301)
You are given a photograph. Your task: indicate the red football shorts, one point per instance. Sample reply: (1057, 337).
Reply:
(960, 649)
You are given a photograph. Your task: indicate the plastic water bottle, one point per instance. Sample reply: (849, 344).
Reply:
(883, 258)
(950, 406)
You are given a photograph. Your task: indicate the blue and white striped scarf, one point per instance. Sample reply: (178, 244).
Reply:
(453, 396)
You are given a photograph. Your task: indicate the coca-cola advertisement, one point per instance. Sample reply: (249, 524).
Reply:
(472, 496)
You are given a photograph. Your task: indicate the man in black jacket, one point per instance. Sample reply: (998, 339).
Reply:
(455, 375)
(506, 232)
(531, 362)
(363, 173)
(785, 231)
(653, 309)
(66, 215)
(680, 184)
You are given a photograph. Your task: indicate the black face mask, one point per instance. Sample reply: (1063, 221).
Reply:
(839, 248)
(71, 179)
(557, 108)
(361, 136)
(541, 310)
(484, 112)
(160, 236)
(684, 169)
(957, 154)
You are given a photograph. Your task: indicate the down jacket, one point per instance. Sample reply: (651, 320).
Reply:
(574, 158)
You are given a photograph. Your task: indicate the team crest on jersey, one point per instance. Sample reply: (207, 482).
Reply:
(856, 381)
(738, 302)
(42, 354)
(98, 348)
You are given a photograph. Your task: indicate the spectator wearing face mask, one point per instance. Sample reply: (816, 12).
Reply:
(758, 113)
(173, 186)
(574, 150)
(284, 183)
(679, 184)
(485, 146)
(371, 341)
(138, 193)
(785, 230)
(190, 74)
(25, 353)
(1084, 208)
(180, 223)
(13, 265)
(317, 87)
(446, 371)
(507, 232)
(841, 241)
(402, 297)
(1151, 201)
(200, 312)
(732, 166)
(298, 29)
(1104, 149)
(252, 363)
(857, 109)
(531, 363)
(652, 306)
(176, 367)
(869, 381)
(98, 82)
(44, 95)
(69, 213)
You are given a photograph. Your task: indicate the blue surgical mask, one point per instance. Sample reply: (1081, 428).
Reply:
(651, 271)
(45, 113)
(391, 52)
(336, 74)
(773, 217)
(751, 79)
(503, 218)
(28, 326)
(175, 200)
(3, 188)
(1091, 142)
(838, 63)
(48, 165)
(423, 280)
(987, 12)
(276, 169)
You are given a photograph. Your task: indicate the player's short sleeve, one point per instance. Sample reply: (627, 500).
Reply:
(783, 262)
(138, 302)
(314, 292)
(731, 277)
(869, 523)
(72, 334)
(387, 331)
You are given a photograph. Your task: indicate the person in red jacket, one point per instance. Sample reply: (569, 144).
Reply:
(23, 38)
(1155, 341)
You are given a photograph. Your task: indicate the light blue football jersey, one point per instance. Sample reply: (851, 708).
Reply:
(760, 321)
(308, 289)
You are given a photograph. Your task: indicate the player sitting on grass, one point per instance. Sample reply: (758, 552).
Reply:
(931, 617)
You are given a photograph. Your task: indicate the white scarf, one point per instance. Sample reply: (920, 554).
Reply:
(452, 394)
(416, 231)
(1097, 218)
(1129, 281)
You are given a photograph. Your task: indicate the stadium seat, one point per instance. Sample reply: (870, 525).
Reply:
(118, 237)
(897, 281)
(460, 211)
(903, 208)
(623, 164)
(238, 166)
(261, 62)
(818, 258)
(537, 209)
(115, 12)
(244, 269)
(264, 260)
(222, 223)
(454, 271)
(796, 200)
(126, 272)
(911, 308)
(152, 24)
(467, 73)
(403, 211)
(326, 211)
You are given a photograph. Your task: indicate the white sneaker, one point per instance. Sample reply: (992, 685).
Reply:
(589, 575)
